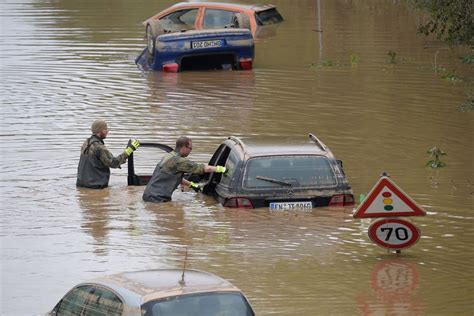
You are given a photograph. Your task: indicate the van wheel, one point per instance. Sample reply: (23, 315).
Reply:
(153, 30)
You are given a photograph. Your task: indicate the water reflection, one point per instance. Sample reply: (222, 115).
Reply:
(394, 283)
(168, 223)
(200, 103)
(95, 206)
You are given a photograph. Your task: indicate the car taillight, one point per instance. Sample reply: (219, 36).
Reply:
(341, 200)
(238, 202)
(245, 63)
(170, 67)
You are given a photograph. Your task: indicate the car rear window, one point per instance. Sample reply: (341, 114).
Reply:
(270, 16)
(203, 304)
(286, 171)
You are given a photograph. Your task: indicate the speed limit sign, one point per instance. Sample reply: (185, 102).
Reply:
(394, 233)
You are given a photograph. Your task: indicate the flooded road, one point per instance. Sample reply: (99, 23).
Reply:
(355, 73)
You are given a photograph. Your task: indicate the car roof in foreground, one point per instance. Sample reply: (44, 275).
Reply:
(154, 284)
(281, 146)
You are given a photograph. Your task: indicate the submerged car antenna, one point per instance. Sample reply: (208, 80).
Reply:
(182, 282)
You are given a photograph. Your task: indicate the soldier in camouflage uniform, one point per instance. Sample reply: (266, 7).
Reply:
(96, 160)
(168, 174)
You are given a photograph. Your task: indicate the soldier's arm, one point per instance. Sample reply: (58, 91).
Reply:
(109, 160)
(185, 165)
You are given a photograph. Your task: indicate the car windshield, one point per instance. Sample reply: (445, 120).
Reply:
(203, 304)
(282, 171)
(270, 16)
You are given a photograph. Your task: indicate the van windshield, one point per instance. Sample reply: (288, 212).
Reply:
(297, 171)
(202, 304)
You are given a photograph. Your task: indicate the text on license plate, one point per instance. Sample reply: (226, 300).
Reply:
(291, 205)
(207, 44)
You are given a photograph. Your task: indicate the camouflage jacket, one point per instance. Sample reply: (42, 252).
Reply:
(95, 163)
(168, 175)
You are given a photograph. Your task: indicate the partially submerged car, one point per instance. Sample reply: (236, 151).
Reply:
(165, 292)
(222, 49)
(287, 174)
(205, 35)
(212, 15)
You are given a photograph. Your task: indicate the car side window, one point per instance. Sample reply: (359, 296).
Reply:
(73, 302)
(102, 302)
(230, 165)
(214, 19)
(179, 20)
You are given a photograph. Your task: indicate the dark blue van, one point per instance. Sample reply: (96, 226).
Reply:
(229, 48)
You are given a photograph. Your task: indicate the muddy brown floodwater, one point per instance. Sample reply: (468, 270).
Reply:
(355, 73)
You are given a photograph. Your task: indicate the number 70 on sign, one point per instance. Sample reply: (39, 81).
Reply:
(394, 233)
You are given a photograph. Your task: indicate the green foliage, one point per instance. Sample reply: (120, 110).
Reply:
(467, 59)
(328, 63)
(450, 20)
(354, 60)
(467, 106)
(325, 64)
(451, 77)
(435, 153)
(392, 56)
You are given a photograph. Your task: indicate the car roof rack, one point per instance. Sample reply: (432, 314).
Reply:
(320, 144)
(239, 142)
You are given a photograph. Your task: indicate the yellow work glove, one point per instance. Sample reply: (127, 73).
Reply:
(195, 186)
(132, 145)
(220, 169)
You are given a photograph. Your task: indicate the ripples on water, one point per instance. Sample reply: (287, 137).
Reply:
(63, 65)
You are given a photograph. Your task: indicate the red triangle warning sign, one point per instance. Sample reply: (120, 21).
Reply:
(386, 200)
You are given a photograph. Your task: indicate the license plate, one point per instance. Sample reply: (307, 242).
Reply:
(291, 205)
(207, 44)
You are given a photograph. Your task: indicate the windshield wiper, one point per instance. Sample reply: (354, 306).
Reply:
(281, 182)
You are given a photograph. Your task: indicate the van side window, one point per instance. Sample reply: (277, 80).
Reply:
(215, 19)
(180, 20)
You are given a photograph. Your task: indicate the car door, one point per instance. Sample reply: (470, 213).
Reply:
(223, 185)
(134, 176)
(226, 184)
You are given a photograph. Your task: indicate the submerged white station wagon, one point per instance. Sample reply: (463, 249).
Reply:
(166, 292)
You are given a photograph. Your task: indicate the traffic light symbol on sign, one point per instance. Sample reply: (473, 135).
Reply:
(385, 200)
